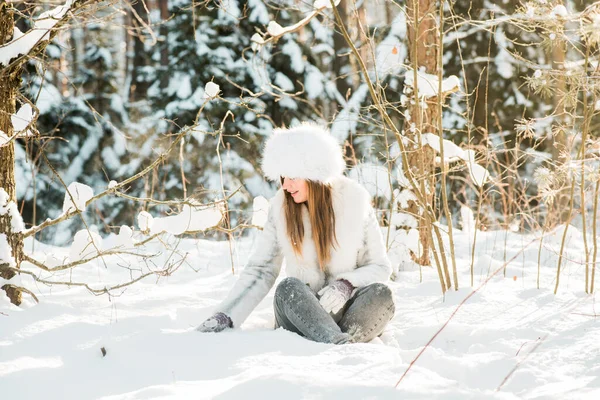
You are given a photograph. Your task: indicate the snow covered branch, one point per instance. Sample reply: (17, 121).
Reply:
(428, 84)
(276, 31)
(24, 43)
(452, 152)
(22, 122)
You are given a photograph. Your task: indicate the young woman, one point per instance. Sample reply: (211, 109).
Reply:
(323, 225)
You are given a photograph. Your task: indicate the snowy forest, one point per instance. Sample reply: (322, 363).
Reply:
(132, 192)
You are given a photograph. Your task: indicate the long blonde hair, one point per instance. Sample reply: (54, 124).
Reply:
(322, 220)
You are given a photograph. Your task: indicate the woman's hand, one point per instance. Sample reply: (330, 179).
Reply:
(216, 323)
(335, 296)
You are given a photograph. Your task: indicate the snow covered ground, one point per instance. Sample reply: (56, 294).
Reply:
(511, 336)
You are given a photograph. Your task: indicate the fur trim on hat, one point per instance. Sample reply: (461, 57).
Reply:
(307, 152)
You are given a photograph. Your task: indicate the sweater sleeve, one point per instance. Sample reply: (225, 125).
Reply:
(258, 276)
(373, 264)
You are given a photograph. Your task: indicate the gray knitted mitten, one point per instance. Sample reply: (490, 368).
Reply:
(216, 323)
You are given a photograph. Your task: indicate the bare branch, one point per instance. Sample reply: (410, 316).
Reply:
(106, 290)
(50, 222)
(85, 260)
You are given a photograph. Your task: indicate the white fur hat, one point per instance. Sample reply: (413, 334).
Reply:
(307, 151)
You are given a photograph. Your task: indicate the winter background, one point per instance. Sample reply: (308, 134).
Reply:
(187, 92)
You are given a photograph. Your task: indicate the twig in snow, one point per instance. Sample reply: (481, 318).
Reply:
(539, 342)
(523, 345)
(587, 315)
(459, 307)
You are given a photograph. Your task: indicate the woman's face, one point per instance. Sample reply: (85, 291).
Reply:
(298, 188)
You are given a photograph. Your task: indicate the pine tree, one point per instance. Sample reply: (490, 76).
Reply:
(212, 43)
(85, 124)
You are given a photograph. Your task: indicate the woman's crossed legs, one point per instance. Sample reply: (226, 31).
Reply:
(364, 317)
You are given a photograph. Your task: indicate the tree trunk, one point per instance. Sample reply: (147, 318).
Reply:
(10, 80)
(389, 13)
(139, 85)
(360, 14)
(341, 47)
(164, 33)
(423, 43)
(559, 137)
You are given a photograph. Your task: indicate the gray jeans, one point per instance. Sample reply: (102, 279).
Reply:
(363, 318)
